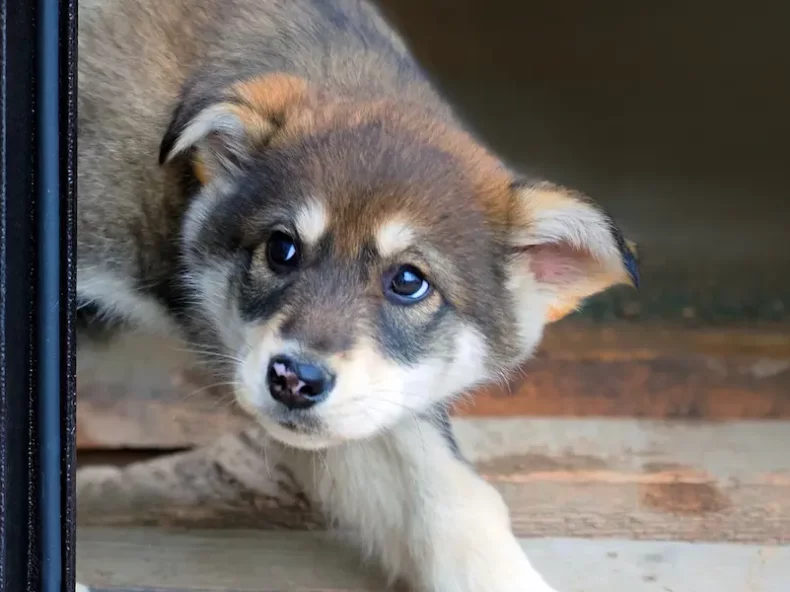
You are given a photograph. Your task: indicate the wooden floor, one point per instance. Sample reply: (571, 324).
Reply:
(615, 505)
(245, 561)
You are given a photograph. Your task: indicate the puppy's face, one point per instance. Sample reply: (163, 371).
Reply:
(359, 263)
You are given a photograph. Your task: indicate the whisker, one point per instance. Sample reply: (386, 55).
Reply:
(210, 354)
(207, 387)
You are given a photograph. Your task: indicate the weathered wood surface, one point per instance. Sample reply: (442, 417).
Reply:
(139, 396)
(650, 371)
(635, 479)
(155, 560)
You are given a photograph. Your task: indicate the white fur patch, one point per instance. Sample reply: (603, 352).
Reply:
(530, 307)
(393, 237)
(217, 118)
(551, 216)
(199, 212)
(311, 221)
(118, 295)
(211, 286)
(81, 588)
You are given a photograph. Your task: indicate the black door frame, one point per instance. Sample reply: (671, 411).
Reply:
(38, 162)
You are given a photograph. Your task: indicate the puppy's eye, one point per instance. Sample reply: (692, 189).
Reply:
(282, 251)
(406, 285)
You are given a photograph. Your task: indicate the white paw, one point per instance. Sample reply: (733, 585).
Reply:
(81, 588)
(484, 564)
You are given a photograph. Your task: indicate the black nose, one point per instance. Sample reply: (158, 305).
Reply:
(297, 384)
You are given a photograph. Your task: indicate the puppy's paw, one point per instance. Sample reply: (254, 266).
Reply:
(478, 552)
(485, 565)
(472, 548)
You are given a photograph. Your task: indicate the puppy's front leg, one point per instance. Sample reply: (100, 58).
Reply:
(432, 521)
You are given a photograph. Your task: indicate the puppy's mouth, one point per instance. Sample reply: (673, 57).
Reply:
(293, 422)
(300, 429)
(297, 427)
(300, 422)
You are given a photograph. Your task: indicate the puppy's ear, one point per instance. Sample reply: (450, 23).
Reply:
(567, 246)
(220, 135)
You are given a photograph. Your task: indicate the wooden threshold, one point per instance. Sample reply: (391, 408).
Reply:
(614, 478)
(156, 560)
(581, 370)
(656, 371)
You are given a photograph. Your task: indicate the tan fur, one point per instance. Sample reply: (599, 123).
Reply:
(273, 94)
(393, 237)
(265, 101)
(202, 173)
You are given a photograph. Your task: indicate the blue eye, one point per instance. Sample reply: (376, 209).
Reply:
(282, 252)
(407, 285)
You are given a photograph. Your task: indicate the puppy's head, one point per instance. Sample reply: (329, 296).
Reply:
(359, 262)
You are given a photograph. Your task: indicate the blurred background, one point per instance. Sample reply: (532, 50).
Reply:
(673, 115)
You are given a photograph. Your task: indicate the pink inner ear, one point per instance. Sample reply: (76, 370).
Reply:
(558, 263)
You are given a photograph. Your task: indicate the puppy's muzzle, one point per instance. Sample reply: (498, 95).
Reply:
(298, 384)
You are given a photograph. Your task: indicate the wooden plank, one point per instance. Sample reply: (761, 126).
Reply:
(137, 394)
(650, 371)
(149, 560)
(636, 479)
(236, 561)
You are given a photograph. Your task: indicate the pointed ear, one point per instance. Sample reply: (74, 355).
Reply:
(570, 246)
(220, 135)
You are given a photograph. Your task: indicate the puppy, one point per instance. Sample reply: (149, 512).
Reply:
(322, 227)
